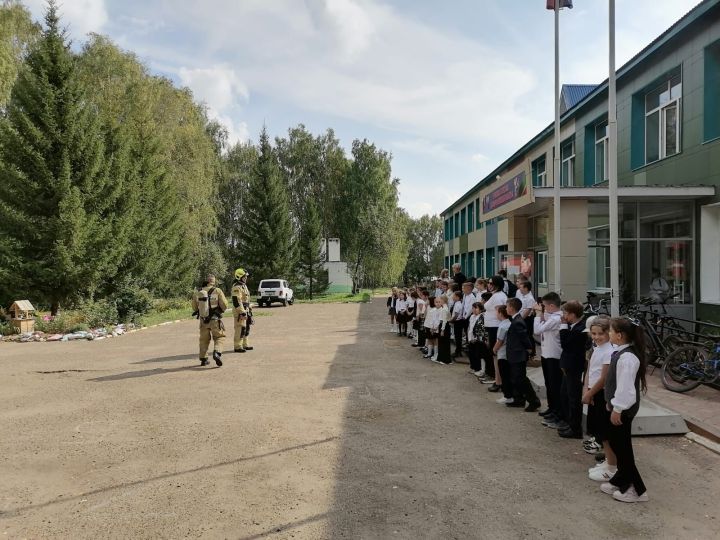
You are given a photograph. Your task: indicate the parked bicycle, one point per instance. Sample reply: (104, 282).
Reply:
(689, 366)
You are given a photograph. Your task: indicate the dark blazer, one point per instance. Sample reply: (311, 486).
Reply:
(517, 343)
(459, 278)
(574, 344)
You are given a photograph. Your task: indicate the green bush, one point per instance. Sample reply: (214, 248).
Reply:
(61, 324)
(161, 305)
(99, 313)
(132, 301)
(7, 329)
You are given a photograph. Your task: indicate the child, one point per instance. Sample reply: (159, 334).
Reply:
(573, 340)
(420, 306)
(492, 323)
(547, 326)
(456, 318)
(442, 356)
(500, 351)
(598, 417)
(391, 301)
(401, 316)
(480, 286)
(517, 344)
(524, 293)
(468, 299)
(625, 379)
(429, 327)
(412, 300)
(477, 349)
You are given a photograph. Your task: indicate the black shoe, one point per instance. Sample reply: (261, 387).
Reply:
(239, 350)
(545, 413)
(570, 434)
(494, 388)
(216, 357)
(532, 407)
(248, 348)
(515, 404)
(203, 361)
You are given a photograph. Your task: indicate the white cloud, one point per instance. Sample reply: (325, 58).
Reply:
(479, 158)
(80, 16)
(425, 147)
(221, 90)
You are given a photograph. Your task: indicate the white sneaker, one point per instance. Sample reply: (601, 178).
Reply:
(479, 373)
(504, 400)
(608, 488)
(602, 465)
(603, 475)
(630, 496)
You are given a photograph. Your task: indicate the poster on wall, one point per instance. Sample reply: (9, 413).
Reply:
(506, 195)
(517, 262)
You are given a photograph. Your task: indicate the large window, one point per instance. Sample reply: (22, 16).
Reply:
(456, 227)
(470, 218)
(480, 263)
(541, 268)
(539, 172)
(601, 152)
(711, 89)
(567, 165)
(463, 221)
(662, 120)
(710, 253)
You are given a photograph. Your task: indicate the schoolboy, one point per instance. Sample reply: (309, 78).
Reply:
(574, 342)
(518, 348)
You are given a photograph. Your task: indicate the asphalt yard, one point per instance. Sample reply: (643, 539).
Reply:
(331, 428)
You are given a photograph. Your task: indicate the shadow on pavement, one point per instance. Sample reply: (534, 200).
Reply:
(143, 481)
(174, 358)
(149, 373)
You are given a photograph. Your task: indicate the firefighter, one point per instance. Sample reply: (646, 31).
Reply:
(209, 304)
(242, 311)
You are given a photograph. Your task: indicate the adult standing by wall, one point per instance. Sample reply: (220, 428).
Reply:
(458, 276)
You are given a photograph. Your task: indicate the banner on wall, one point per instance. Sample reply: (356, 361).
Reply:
(518, 262)
(506, 195)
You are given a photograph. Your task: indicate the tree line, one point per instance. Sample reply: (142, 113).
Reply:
(113, 179)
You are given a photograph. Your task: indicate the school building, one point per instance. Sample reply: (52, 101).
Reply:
(668, 119)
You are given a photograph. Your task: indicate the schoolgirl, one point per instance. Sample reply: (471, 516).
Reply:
(476, 340)
(457, 322)
(391, 301)
(442, 356)
(411, 302)
(500, 350)
(402, 314)
(420, 307)
(623, 384)
(598, 417)
(430, 326)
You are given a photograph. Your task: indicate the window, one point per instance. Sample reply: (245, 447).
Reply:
(480, 263)
(456, 228)
(601, 152)
(447, 231)
(711, 114)
(567, 159)
(662, 120)
(490, 269)
(463, 263)
(710, 253)
(542, 268)
(470, 218)
(539, 172)
(463, 221)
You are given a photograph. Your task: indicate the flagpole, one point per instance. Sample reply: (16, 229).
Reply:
(556, 159)
(612, 170)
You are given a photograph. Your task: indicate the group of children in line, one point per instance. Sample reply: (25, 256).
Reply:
(500, 324)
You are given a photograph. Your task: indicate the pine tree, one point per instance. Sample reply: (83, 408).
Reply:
(267, 236)
(310, 268)
(59, 189)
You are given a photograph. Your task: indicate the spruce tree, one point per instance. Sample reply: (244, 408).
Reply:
(310, 268)
(267, 235)
(58, 189)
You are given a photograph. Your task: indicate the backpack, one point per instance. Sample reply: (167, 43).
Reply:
(203, 302)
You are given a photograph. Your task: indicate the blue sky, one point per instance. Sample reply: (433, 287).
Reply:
(450, 88)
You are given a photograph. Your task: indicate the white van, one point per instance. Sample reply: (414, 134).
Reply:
(274, 290)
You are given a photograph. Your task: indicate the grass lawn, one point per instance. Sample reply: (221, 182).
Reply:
(337, 298)
(160, 317)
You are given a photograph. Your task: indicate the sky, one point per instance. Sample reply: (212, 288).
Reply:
(450, 88)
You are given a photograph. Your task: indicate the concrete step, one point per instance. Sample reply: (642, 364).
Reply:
(652, 419)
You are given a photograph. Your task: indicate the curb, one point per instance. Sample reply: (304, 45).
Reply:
(699, 429)
(713, 446)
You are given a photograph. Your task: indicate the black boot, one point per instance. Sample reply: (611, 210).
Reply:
(203, 361)
(216, 357)
(240, 350)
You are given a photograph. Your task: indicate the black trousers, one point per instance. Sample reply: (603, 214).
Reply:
(460, 326)
(474, 355)
(492, 339)
(571, 391)
(530, 324)
(421, 336)
(444, 346)
(620, 441)
(521, 386)
(553, 381)
(507, 386)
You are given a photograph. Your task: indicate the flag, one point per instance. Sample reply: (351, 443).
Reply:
(563, 4)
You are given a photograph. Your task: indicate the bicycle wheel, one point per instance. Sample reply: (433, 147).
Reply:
(684, 369)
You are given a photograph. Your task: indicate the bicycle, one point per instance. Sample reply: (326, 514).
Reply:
(690, 366)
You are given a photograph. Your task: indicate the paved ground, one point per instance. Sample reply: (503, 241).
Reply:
(332, 428)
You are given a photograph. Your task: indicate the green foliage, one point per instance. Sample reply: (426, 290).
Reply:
(132, 301)
(337, 298)
(17, 34)
(7, 329)
(267, 240)
(60, 324)
(162, 305)
(425, 257)
(96, 314)
(311, 274)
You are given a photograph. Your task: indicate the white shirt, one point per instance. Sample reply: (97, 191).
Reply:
(443, 317)
(600, 357)
(457, 310)
(450, 300)
(468, 301)
(420, 308)
(438, 292)
(411, 303)
(497, 299)
(401, 305)
(473, 319)
(430, 317)
(627, 367)
(549, 331)
(503, 328)
(528, 300)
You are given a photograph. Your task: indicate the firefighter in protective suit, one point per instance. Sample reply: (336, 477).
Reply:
(209, 304)
(242, 313)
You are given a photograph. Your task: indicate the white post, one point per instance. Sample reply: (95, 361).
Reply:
(613, 173)
(556, 160)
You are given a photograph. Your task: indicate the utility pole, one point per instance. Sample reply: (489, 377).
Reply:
(556, 159)
(612, 171)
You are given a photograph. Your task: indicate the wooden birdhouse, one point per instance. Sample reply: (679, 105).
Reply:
(23, 316)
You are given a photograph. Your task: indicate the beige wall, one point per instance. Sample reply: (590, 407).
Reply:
(573, 249)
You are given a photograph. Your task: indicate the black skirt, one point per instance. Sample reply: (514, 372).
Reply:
(598, 418)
